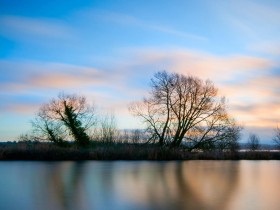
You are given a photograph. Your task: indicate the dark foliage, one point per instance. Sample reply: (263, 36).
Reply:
(276, 138)
(65, 118)
(254, 142)
(119, 151)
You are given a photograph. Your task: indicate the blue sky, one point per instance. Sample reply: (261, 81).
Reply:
(109, 50)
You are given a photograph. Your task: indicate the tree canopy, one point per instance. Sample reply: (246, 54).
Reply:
(186, 110)
(67, 115)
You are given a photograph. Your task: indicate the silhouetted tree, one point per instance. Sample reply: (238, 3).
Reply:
(276, 138)
(67, 114)
(28, 137)
(184, 109)
(46, 129)
(230, 142)
(109, 131)
(136, 136)
(124, 136)
(253, 142)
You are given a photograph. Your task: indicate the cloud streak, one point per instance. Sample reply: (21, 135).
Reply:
(26, 28)
(259, 24)
(208, 66)
(123, 19)
(44, 75)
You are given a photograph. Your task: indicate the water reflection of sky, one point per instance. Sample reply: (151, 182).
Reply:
(140, 185)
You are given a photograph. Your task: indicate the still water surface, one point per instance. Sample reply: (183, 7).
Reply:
(139, 185)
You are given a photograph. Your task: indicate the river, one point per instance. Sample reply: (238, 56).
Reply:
(139, 185)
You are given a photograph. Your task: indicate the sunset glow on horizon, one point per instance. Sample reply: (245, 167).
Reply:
(109, 50)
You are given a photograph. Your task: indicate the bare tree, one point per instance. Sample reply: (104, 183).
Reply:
(27, 137)
(68, 114)
(231, 138)
(108, 131)
(125, 136)
(253, 142)
(46, 129)
(183, 109)
(276, 138)
(136, 136)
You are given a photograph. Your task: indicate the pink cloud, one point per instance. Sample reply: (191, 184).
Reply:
(64, 80)
(38, 75)
(22, 108)
(261, 115)
(201, 64)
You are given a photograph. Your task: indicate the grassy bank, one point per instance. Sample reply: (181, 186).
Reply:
(120, 151)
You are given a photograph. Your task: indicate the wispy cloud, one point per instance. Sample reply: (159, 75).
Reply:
(201, 64)
(261, 114)
(267, 47)
(261, 11)
(132, 21)
(261, 102)
(22, 108)
(20, 27)
(252, 19)
(46, 75)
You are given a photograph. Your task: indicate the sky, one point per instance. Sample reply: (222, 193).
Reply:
(108, 51)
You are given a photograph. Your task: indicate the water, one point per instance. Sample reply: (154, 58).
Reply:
(139, 185)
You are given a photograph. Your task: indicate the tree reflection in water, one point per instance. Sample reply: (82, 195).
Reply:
(139, 185)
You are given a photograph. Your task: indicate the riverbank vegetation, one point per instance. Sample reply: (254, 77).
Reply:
(122, 151)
